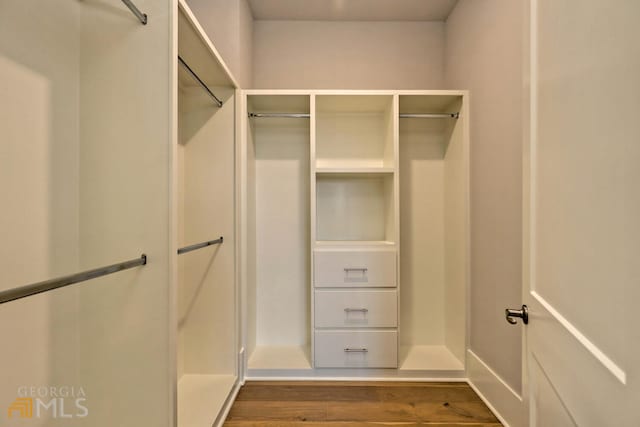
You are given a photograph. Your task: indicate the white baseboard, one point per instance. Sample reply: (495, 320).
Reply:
(224, 412)
(503, 401)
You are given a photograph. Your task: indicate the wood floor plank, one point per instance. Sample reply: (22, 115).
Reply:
(358, 404)
(371, 411)
(455, 412)
(284, 411)
(427, 394)
(368, 392)
(309, 393)
(351, 424)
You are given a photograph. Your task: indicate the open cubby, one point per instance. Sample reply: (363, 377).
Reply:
(355, 207)
(354, 131)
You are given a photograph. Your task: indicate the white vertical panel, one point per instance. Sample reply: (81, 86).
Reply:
(125, 182)
(208, 278)
(39, 50)
(282, 231)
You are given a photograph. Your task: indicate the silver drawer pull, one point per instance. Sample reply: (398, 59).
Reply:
(356, 350)
(363, 310)
(348, 269)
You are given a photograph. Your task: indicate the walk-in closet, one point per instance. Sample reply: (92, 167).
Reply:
(86, 143)
(242, 213)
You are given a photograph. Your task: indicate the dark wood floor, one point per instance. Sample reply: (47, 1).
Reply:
(356, 404)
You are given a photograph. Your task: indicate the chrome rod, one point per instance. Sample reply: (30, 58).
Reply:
(200, 82)
(430, 116)
(132, 7)
(283, 115)
(349, 310)
(356, 350)
(60, 282)
(200, 245)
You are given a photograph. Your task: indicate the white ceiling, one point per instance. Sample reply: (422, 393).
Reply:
(352, 10)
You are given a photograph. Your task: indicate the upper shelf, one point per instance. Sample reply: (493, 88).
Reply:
(349, 104)
(429, 104)
(299, 104)
(195, 47)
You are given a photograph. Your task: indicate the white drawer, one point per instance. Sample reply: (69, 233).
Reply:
(356, 349)
(356, 308)
(355, 268)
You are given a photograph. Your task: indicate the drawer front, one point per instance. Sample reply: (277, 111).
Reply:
(356, 349)
(335, 309)
(355, 268)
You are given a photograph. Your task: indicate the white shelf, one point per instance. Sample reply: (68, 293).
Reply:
(201, 397)
(279, 104)
(425, 104)
(195, 47)
(354, 243)
(280, 357)
(354, 170)
(428, 358)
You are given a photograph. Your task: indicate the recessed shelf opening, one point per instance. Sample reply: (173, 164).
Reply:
(354, 131)
(355, 207)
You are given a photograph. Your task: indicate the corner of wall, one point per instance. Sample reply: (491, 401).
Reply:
(245, 43)
(507, 405)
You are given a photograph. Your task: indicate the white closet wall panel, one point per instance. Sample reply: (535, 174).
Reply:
(422, 270)
(251, 309)
(207, 290)
(126, 144)
(282, 231)
(181, 298)
(39, 52)
(456, 226)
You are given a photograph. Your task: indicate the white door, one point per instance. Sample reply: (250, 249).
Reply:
(582, 257)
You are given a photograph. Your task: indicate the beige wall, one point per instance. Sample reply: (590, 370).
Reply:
(39, 192)
(348, 55)
(229, 25)
(484, 54)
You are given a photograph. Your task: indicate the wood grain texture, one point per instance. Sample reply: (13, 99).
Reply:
(357, 404)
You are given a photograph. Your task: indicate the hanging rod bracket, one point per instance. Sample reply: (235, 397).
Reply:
(200, 82)
(132, 7)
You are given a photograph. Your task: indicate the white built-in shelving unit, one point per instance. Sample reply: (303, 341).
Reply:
(355, 225)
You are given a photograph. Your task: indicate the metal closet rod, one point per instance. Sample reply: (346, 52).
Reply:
(200, 245)
(132, 7)
(203, 84)
(430, 116)
(402, 116)
(284, 115)
(60, 282)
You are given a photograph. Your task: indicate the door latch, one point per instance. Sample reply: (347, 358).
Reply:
(510, 314)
